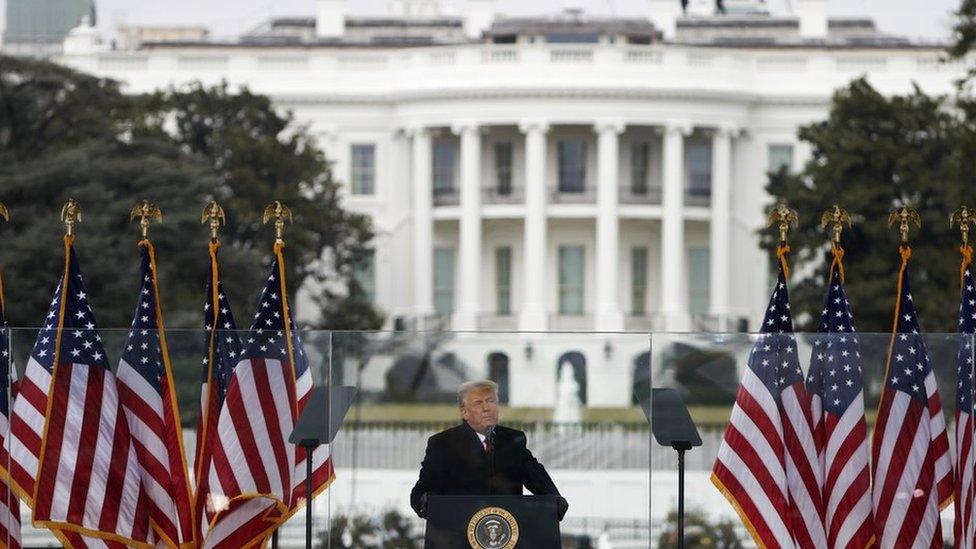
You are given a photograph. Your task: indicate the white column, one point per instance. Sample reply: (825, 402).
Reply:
(423, 227)
(674, 275)
(466, 317)
(720, 227)
(532, 314)
(609, 317)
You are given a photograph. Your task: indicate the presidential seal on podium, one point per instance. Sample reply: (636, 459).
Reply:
(493, 528)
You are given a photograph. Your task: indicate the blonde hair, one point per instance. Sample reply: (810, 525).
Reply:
(469, 386)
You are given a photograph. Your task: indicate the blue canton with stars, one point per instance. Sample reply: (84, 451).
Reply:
(266, 337)
(227, 343)
(967, 325)
(908, 365)
(774, 358)
(835, 366)
(142, 350)
(80, 343)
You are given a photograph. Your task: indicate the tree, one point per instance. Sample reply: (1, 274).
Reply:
(964, 34)
(66, 134)
(260, 155)
(699, 532)
(870, 155)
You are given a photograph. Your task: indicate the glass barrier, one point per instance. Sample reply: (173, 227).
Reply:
(578, 397)
(715, 373)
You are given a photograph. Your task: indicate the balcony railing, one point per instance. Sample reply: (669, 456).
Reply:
(640, 195)
(499, 322)
(586, 195)
(499, 195)
(698, 196)
(447, 197)
(571, 322)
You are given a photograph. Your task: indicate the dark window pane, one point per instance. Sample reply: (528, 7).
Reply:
(572, 166)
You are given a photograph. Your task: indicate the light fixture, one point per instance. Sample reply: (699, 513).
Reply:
(528, 350)
(607, 348)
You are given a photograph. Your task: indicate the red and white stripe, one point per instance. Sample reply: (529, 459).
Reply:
(322, 469)
(206, 449)
(964, 527)
(912, 469)
(9, 504)
(751, 467)
(151, 423)
(27, 429)
(804, 466)
(253, 430)
(89, 478)
(847, 478)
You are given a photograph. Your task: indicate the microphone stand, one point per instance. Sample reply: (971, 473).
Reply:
(490, 438)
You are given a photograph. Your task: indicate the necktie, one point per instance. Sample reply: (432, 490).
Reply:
(487, 446)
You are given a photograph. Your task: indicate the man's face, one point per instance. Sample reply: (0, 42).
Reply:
(480, 409)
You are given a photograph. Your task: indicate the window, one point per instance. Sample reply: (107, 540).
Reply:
(443, 281)
(780, 156)
(363, 169)
(503, 280)
(698, 281)
(570, 280)
(572, 166)
(700, 169)
(443, 157)
(498, 372)
(640, 159)
(503, 168)
(638, 280)
(364, 277)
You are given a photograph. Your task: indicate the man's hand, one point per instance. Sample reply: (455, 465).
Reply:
(561, 507)
(423, 506)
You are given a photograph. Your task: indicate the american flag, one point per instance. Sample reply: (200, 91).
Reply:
(837, 382)
(9, 504)
(268, 390)
(145, 382)
(87, 474)
(768, 466)
(910, 449)
(223, 352)
(964, 527)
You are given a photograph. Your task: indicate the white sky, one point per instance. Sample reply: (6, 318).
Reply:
(920, 19)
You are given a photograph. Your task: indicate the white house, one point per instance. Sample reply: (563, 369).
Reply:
(560, 172)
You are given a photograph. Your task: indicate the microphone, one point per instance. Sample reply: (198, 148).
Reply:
(490, 439)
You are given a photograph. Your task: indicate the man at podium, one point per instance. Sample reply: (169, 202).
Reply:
(480, 457)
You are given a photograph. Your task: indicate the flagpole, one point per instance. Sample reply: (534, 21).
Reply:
(280, 213)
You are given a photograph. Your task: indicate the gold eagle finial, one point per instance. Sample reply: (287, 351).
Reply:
(786, 217)
(280, 213)
(963, 217)
(836, 217)
(3, 212)
(144, 211)
(70, 214)
(213, 214)
(905, 217)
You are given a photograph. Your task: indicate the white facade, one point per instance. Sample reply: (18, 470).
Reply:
(739, 105)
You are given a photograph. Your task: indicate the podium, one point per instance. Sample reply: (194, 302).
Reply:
(492, 522)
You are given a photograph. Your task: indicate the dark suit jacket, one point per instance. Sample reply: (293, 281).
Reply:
(456, 464)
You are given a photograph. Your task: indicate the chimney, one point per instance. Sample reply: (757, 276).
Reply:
(664, 14)
(813, 18)
(478, 16)
(330, 18)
